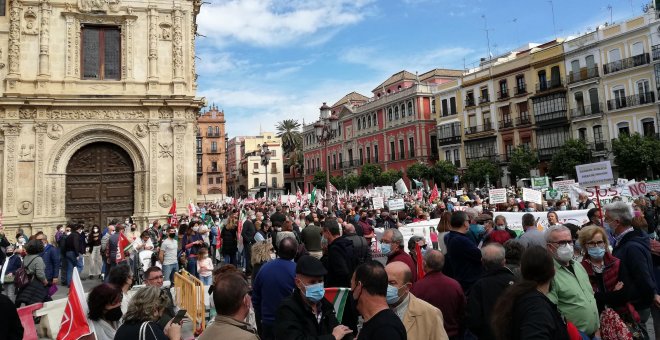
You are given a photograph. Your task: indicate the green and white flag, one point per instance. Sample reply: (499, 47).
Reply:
(338, 297)
(313, 198)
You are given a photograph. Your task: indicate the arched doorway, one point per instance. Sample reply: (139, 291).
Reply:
(99, 184)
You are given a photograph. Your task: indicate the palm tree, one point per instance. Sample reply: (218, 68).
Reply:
(289, 131)
(296, 161)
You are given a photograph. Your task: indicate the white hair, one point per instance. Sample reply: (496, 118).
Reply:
(620, 211)
(555, 229)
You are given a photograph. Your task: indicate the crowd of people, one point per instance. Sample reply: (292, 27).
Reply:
(269, 267)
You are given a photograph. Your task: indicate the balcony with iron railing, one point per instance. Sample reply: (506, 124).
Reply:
(212, 169)
(582, 111)
(212, 150)
(471, 130)
(520, 89)
(631, 101)
(551, 117)
(484, 100)
(469, 101)
(582, 75)
(524, 119)
(546, 153)
(503, 94)
(506, 123)
(199, 150)
(199, 169)
(549, 85)
(597, 146)
(213, 134)
(454, 138)
(655, 51)
(623, 64)
(490, 156)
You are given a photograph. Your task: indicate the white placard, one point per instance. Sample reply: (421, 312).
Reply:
(378, 202)
(459, 192)
(563, 186)
(531, 195)
(496, 196)
(388, 191)
(396, 204)
(453, 199)
(594, 174)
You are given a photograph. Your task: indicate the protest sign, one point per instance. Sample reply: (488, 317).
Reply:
(401, 186)
(540, 182)
(497, 196)
(637, 189)
(396, 204)
(388, 191)
(594, 174)
(378, 202)
(459, 192)
(605, 195)
(653, 186)
(531, 195)
(577, 217)
(552, 194)
(564, 187)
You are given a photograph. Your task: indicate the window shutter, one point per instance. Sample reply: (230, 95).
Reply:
(91, 50)
(112, 54)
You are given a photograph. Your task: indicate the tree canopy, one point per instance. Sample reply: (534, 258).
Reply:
(636, 155)
(289, 131)
(574, 152)
(522, 161)
(478, 170)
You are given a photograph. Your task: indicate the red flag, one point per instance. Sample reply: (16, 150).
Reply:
(191, 209)
(420, 263)
(419, 195)
(173, 220)
(434, 193)
(74, 323)
(121, 247)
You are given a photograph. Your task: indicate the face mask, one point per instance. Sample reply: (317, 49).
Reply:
(315, 292)
(424, 250)
(132, 228)
(565, 253)
(608, 228)
(500, 227)
(652, 198)
(95, 230)
(562, 207)
(67, 233)
(112, 232)
(385, 248)
(172, 235)
(477, 228)
(597, 253)
(392, 295)
(113, 314)
(195, 229)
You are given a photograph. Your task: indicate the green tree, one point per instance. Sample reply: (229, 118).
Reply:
(351, 182)
(573, 152)
(636, 156)
(319, 180)
(443, 172)
(522, 161)
(370, 175)
(390, 177)
(289, 131)
(419, 171)
(477, 171)
(295, 160)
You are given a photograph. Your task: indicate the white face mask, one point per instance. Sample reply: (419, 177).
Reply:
(565, 253)
(195, 229)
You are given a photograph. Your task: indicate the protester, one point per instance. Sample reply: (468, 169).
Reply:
(274, 282)
(95, 260)
(51, 257)
(297, 316)
(204, 266)
(434, 237)
(113, 251)
(361, 247)
(571, 289)
(122, 277)
(36, 290)
(104, 303)
(532, 236)
(147, 306)
(553, 218)
(168, 255)
(513, 251)
(443, 229)
(450, 300)
(463, 256)
(247, 234)
(104, 248)
(369, 289)
(192, 242)
(501, 232)
(392, 246)
(74, 252)
(413, 242)
(153, 276)
(585, 202)
(524, 311)
(12, 262)
(311, 237)
(485, 292)
(340, 260)
(421, 319)
(594, 218)
(287, 231)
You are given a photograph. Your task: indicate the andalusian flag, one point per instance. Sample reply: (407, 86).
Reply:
(338, 297)
(313, 198)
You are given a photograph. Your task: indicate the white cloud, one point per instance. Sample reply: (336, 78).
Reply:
(387, 61)
(276, 22)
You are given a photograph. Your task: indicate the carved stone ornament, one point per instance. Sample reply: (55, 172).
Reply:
(97, 5)
(30, 18)
(27, 113)
(27, 153)
(96, 114)
(55, 131)
(165, 113)
(141, 130)
(25, 208)
(165, 200)
(165, 31)
(165, 151)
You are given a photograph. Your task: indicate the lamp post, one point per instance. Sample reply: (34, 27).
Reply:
(265, 160)
(325, 130)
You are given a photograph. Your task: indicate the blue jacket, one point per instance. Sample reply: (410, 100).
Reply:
(463, 259)
(13, 263)
(51, 258)
(274, 282)
(636, 269)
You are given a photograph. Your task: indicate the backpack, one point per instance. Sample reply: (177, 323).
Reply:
(21, 276)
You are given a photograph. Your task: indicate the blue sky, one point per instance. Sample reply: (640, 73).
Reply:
(262, 61)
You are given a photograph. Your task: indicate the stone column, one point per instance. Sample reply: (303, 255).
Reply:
(153, 44)
(12, 132)
(40, 129)
(44, 40)
(154, 127)
(179, 129)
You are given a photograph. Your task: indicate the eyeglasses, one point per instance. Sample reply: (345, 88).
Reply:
(157, 277)
(593, 244)
(562, 243)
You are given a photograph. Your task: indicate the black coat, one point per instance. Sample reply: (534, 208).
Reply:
(536, 317)
(295, 320)
(636, 268)
(482, 298)
(248, 232)
(340, 263)
(10, 324)
(229, 241)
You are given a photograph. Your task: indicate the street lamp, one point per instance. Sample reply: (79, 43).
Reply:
(265, 160)
(325, 130)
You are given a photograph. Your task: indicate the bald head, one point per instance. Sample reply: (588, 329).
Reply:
(350, 228)
(493, 256)
(398, 272)
(434, 261)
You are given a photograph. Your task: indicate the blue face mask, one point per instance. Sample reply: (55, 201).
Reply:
(392, 295)
(596, 253)
(608, 228)
(385, 248)
(477, 228)
(315, 292)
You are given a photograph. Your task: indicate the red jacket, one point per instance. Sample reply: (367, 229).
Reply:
(446, 294)
(402, 256)
(610, 272)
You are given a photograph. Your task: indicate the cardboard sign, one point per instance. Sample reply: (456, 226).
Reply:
(497, 196)
(637, 189)
(459, 192)
(564, 187)
(594, 174)
(531, 195)
(396, 204)
(455, 179)
(378, 202)
(653, 186)
(540, 182)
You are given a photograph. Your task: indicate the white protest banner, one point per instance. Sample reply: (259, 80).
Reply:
(563, 187)
(378, 202)
(621, 181)
(453, 199)
(388, 191)
(653, 186)
(594, 174)
(396, 204)
(540, 182)
(531, 195)
(401, 186)
(577, 217)
(460, 207)
(606, 195)
(637, 189)
(496, 196)
(552, 194)
(286, 199)
(459, 192)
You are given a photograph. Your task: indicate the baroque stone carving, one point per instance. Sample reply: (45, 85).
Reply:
(177, 45)
(14, 36)
(25, 208)
(165, 113)
(27, 113)
(97, 5)
(27, 153)
(141, 130)
(165, 200)
(30, 18)
(96, 114)
(44, 39)
(165, 29)
(55, 131)
(179, 127)
(165, 151)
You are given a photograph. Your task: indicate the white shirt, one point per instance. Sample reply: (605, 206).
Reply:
(169, 248)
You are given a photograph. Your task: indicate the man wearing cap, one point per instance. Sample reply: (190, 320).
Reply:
(306, 313)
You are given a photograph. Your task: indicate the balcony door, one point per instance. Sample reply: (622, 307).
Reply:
(594, 101)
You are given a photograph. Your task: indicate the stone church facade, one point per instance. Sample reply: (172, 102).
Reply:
(97, 110)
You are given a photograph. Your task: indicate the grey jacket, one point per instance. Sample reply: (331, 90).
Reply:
(35, 266)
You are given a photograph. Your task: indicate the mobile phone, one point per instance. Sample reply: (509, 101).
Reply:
(179, 316)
